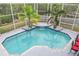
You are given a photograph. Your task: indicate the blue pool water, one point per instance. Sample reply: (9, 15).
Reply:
(39, 36)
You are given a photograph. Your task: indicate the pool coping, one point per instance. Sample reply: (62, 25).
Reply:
(4, 36)
(31, 29)
(34, 28)
(18, 33)
(63, 49)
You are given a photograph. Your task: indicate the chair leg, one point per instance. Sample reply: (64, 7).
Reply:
(72, 51)
(75, 52)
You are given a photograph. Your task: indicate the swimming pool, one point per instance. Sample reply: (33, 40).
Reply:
(38, 36)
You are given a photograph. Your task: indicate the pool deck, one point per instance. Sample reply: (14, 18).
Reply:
(40, 50)
(44, 51)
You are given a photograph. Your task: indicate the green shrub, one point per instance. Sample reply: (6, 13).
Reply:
(9, 27)
(19, 24)
(6, 19)
(6, 28)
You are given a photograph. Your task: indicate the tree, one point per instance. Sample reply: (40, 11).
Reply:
(56, 15)
(5, 9)
(30, 14)
(56, 12)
